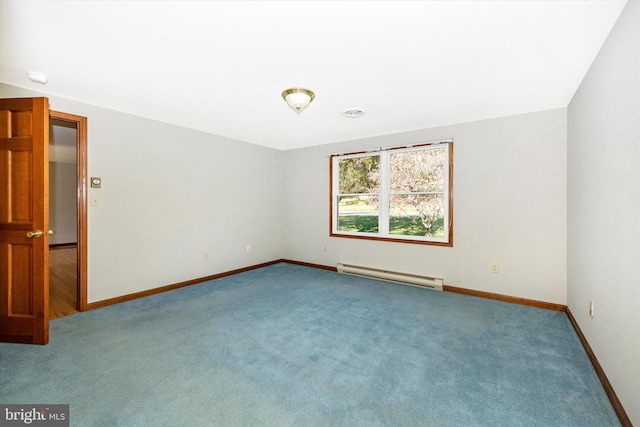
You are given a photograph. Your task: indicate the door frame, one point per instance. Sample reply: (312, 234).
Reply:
(81, 186)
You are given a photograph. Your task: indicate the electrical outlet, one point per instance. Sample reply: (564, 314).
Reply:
(325, 248)
(205, 256)
(248, 248)
(495, 268)
(591, 308)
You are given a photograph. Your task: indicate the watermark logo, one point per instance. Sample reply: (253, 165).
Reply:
(34, 415)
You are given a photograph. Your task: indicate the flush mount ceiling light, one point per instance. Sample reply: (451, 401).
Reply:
(37, 77)
(353, 113)
(298, 98)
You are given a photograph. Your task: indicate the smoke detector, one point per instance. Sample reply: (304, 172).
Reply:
(353, 113)
(38, 77)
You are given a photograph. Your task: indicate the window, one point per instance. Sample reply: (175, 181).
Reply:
(397, 194)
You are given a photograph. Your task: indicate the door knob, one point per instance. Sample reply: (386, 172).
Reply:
(35, 233)
(49, 233)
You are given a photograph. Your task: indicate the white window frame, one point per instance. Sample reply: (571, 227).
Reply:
(384, 196)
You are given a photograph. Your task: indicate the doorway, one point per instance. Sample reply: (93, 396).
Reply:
(68, 214)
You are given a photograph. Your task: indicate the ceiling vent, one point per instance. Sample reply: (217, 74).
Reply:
(353, 113)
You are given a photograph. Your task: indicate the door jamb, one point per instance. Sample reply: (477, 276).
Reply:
(81, 185)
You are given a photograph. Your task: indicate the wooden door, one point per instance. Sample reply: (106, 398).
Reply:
(24, 220)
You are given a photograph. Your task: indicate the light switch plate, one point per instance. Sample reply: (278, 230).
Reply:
(96, 182)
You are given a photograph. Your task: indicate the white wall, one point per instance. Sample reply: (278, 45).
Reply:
(509, 208)
(169, 194)
(63, 211)
(604, 207)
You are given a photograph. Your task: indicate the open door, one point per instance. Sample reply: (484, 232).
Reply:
(24, 220)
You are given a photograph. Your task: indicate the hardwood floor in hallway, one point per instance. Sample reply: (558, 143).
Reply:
(63, 281)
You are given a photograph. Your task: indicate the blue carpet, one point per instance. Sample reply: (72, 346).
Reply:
(287, 345)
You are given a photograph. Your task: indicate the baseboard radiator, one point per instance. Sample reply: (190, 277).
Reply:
(392, 276)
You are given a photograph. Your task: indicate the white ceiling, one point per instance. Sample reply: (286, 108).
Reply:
(220, 67)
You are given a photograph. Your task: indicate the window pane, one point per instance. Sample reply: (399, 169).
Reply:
(417, 215)
(359, 175)
(418, 171)
(358, 214)
(398, 194)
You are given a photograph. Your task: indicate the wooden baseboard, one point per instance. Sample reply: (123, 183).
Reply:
(505, 298)
(154, 291)
(308, 264)
(447, 288)
(454, 289)
(608, 388)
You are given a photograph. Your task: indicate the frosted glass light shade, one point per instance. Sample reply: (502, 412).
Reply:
(298, 98)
